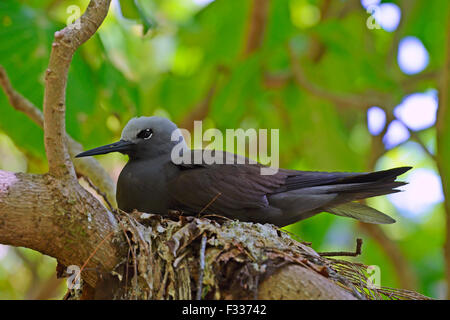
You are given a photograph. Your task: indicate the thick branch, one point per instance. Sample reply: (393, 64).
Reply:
(60, 220)
(88, 166)
(299, 283)
(66, 43)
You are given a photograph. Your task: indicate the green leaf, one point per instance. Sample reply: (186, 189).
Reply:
(131, 9)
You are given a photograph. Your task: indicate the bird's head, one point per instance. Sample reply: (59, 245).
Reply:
(143, 137)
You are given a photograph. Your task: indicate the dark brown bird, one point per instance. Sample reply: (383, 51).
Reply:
(154, 181)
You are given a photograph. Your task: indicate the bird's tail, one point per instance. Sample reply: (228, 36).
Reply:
(365, 186)
(360, 212)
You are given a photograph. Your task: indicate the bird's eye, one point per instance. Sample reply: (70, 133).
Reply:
(145, 134)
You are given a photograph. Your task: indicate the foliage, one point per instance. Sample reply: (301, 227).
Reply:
(165, 57)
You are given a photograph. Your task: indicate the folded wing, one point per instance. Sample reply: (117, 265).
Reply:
(240, 191)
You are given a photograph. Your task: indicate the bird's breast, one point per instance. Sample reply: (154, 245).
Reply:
(144, 186)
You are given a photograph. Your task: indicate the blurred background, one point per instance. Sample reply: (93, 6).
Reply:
(352, 85)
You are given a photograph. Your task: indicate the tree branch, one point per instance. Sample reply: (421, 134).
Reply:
(57, 218)
(257, 25)
(18, 101)
(53, 214)
(406, 8)
(295, 282)
(88, 166)
(317, 47)
(64, 46)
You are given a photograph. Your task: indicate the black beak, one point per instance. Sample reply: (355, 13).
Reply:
(120, 146)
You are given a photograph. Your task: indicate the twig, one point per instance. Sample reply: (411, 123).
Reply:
(100, 193)
(357, 252)
(409, 84)
(257, 25)
(66, 42)
(130, 246)
(349, 7)
(84, 166)
(91, 255)
(135, 273)
(406, 8)
(293, 235)
(18, 101)
(216, 216)
(318, 48)
(202, 267)
(130, 249)
(127, 269)
(209, 203)
(256, 287)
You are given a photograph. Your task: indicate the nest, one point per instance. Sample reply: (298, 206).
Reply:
(205, 258)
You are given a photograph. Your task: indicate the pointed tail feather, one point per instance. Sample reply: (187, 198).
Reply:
(377, 176)
(360, 212)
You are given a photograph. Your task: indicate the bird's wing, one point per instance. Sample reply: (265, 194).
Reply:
(223, 187)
